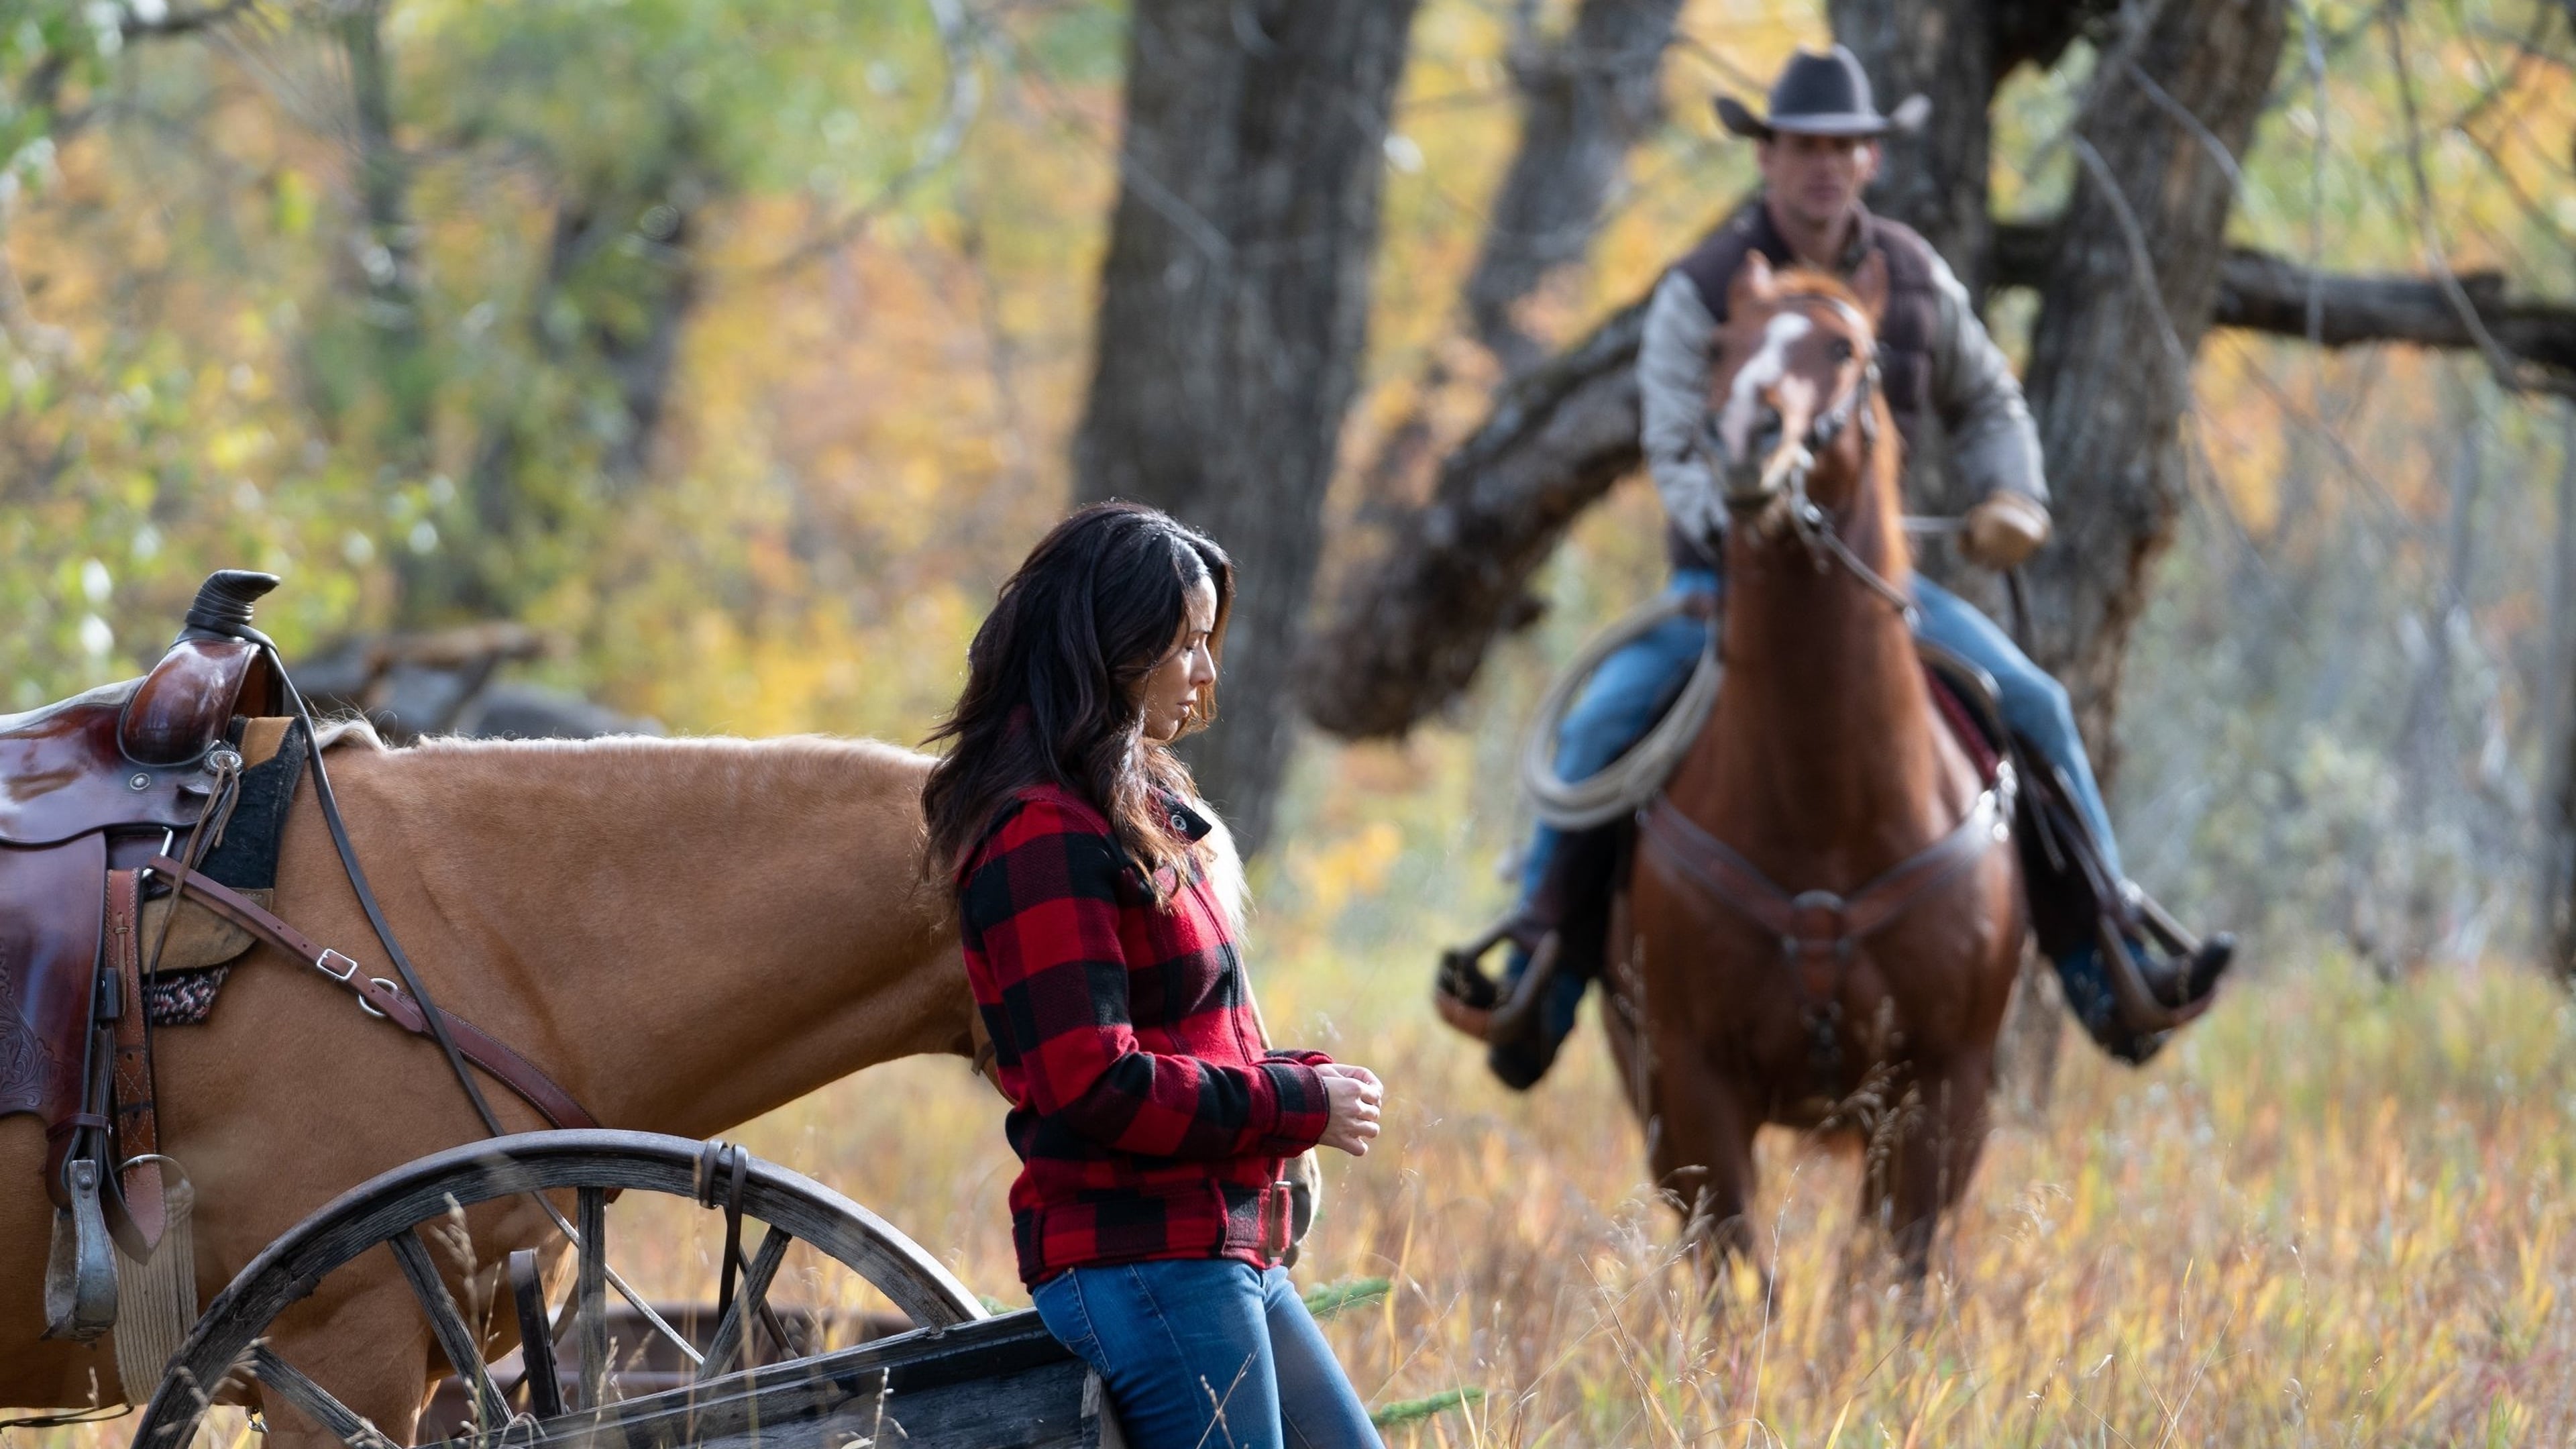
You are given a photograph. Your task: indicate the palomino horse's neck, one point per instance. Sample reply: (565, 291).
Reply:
(684, 933)
(1823, 730)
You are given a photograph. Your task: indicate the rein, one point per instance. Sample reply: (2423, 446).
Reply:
(437, 1021)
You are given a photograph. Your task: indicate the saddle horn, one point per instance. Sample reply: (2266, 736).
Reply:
(224, 600)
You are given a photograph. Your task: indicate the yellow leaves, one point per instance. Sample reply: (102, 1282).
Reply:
(292, 202)
(1353, 866)
(234, 449)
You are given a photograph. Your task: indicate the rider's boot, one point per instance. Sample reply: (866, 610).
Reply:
(1523, 1017)
(2177, 980)
(1471, 1001)
(1555, 939)
(2080, 906)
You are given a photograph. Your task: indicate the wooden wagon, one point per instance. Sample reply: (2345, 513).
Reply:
(596, 1364)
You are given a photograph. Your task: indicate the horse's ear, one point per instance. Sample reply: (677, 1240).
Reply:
(1869, 284)
(1753, 283)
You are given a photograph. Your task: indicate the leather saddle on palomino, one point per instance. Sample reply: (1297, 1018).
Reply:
(139, 830)
(91, 789)
(2074, 900)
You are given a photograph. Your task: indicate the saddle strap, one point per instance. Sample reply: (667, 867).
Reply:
(1819, 923)
(138, 1133)
(382, 998)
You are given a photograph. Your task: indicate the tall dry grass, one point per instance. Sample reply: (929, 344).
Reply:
(2335, 1213)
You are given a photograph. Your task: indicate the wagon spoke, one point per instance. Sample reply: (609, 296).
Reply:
(626, 1290)
(314, 1401)
(455, 1338)
(536, 1336)
(733, 1330)
(590, 1293)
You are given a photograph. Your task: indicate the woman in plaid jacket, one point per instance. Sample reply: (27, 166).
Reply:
(1096, 898)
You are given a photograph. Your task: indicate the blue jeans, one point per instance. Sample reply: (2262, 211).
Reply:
(1207, 1353)
(1620, 704)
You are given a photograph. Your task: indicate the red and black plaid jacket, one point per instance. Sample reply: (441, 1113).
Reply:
(1150, 1121)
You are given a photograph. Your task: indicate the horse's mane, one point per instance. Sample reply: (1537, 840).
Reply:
(836, 750)
(809, 764)
(1884, 513)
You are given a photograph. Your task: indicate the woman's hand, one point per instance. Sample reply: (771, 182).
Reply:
(1354, 1094)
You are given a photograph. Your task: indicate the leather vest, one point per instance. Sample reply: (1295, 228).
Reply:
(1905, 332)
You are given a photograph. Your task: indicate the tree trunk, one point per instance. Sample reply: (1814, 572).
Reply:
(2558, 808)
(1411, 631)
(1233, 311)
(2130, 290)
(1934, 178)
(391, 262)
(1585, 99)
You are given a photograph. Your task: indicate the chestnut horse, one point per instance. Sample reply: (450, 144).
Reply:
(683, 933)
(1823, 770)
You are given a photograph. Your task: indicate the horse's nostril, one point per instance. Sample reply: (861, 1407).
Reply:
(1766, 432)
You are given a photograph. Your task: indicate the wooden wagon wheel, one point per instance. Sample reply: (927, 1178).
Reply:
(591, 1165)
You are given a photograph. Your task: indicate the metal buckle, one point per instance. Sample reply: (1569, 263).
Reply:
(369, 1007)
(322, 963)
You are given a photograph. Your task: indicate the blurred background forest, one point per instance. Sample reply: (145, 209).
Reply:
(737, 349)
(714, 359)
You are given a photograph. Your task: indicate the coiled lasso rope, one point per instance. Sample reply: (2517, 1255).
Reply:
(1628, 782)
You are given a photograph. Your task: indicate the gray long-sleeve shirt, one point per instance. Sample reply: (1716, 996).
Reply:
(1993, 443)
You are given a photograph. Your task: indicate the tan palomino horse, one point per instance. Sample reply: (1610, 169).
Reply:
(1823, 770)
(683, 933)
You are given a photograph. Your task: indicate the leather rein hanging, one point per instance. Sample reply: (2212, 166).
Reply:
(407, 1005)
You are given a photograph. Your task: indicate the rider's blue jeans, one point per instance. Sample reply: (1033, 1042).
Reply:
(1627, 693)
(1200, 1353)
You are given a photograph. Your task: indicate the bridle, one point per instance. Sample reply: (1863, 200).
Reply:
(1749, 480)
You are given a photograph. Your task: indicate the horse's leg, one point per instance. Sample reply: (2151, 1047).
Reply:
(1623, 1015)
(369, 1348)
(1939, 1137)
(1701, 1145)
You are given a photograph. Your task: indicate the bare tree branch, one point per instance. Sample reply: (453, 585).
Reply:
(2264, 292)
(1410, 631)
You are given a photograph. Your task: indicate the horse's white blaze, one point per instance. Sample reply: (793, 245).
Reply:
(1770, 362)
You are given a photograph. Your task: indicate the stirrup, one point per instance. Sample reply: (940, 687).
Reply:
(80, 1272)
(1475, 1004)
(2197, 962)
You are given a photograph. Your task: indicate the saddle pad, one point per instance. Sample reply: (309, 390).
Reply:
(182, 998)
(1983, 748)
(191, 968)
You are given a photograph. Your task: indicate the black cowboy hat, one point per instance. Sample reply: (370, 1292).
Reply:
(1822, 95)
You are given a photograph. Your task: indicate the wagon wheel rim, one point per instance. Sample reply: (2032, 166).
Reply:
(589, 1163)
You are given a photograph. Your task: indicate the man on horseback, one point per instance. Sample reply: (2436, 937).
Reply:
(1818, 150)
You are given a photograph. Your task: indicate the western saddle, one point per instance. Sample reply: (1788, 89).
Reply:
(109, 804)
(91, 789)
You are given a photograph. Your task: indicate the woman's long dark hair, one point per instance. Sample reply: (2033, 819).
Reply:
(1051, 682)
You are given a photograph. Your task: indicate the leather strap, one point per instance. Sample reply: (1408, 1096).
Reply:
(382, 998)
(137, 1126)
(1817, 929)
(348, 851)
